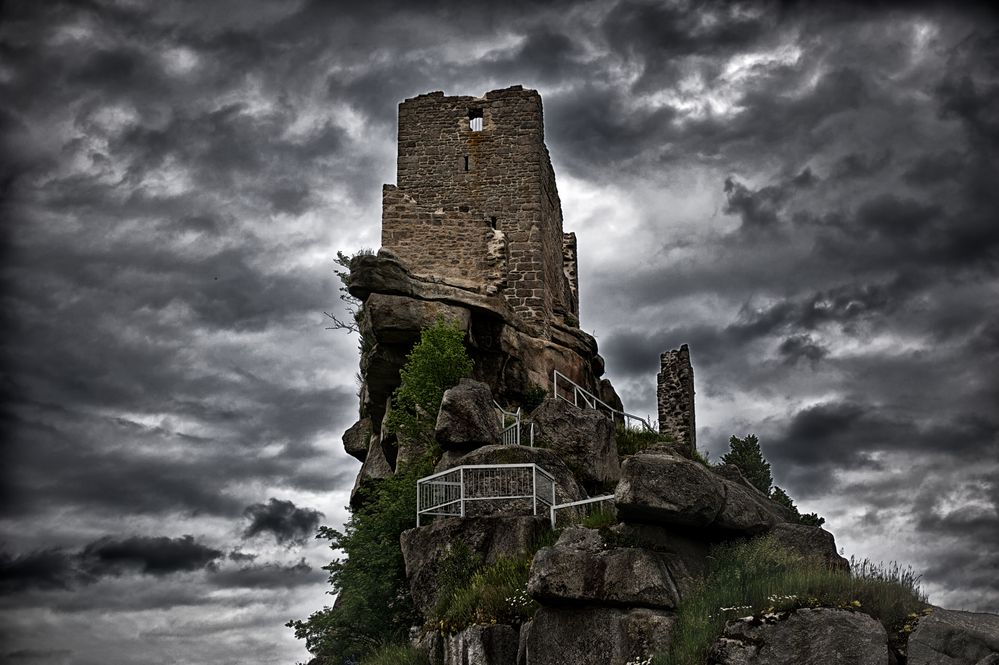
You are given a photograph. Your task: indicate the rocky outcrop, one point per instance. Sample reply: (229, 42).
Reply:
(375, 466)
(424, 548)
(509, 353)
(467, 417)
(356, 439)
(671, 490)
(810, 541)
(579, 568)
(949, 637)
(804, 637)
(390, 319)
(595, 636)
(583, 438)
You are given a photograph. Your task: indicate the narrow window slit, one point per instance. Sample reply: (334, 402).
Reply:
(466, 162)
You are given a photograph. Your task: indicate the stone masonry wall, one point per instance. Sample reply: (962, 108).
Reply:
(675, 383)
(469, 257)
(497, 178)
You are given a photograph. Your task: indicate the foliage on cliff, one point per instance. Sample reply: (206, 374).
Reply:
(373, 605)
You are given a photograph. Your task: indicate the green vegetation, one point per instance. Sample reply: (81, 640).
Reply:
(631, 441)
(373, 606)
(600, 518)
(437, 362)
(396, 654)
(533, 396)
(473, 593)
(746, 454)
(758, 576)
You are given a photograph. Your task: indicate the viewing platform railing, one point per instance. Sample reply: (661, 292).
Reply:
(459, 491)
(583, 506)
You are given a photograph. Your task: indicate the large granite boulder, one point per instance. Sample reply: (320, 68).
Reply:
(578, 568)
(424, 548)
(595, 636)
(950, 637)
(671, 490)
(482, 645)
(810, 541)
(584, 438)
(467, 417)
(804, 637)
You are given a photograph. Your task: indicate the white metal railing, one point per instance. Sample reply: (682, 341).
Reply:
(510, 423)
(449, 493)
(574, 504)
(589, 400)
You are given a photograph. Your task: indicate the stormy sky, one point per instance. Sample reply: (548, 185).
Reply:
(806, 195)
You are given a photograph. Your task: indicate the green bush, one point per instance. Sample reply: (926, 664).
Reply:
(396, 654)
(495, 594)
(757, 576)
(533, 396)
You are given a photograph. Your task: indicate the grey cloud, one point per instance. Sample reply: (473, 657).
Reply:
(268, 576)
(285, 521)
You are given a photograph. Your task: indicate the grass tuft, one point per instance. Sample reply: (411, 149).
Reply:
(396, 654)
(758, 576)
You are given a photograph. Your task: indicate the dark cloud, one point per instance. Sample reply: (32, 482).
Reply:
(282, 519)
(268, 576)
(149, 555)
(45, 569)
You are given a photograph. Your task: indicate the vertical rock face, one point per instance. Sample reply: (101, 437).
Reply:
(675, 383)
(596, 636)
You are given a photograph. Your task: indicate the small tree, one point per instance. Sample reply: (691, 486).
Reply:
(746, 454)
(437, 362)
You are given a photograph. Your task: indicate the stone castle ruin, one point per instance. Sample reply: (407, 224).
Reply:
(472, 232)
(476, 203)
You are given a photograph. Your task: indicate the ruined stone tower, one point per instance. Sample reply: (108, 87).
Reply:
(675, 384)
(475, 204)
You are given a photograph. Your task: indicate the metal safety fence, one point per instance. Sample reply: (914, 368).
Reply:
(481, 489)
(576, 511)
(512, 426)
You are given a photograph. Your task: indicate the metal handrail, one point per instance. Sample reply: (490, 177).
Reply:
(511, 432)
(591, 400)
(582, 502)
(446, 493)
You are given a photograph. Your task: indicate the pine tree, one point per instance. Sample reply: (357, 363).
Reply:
(746, 454)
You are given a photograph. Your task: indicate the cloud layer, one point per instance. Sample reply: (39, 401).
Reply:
(804, 194)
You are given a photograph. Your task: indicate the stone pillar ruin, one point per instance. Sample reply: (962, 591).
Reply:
(675, 384)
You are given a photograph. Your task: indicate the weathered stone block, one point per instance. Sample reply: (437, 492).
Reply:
(810, 541)
(579, 569)
(596, 636)
(392, 319)
(949, 637)
(805, 637)
(356, 439)
(482, 645)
